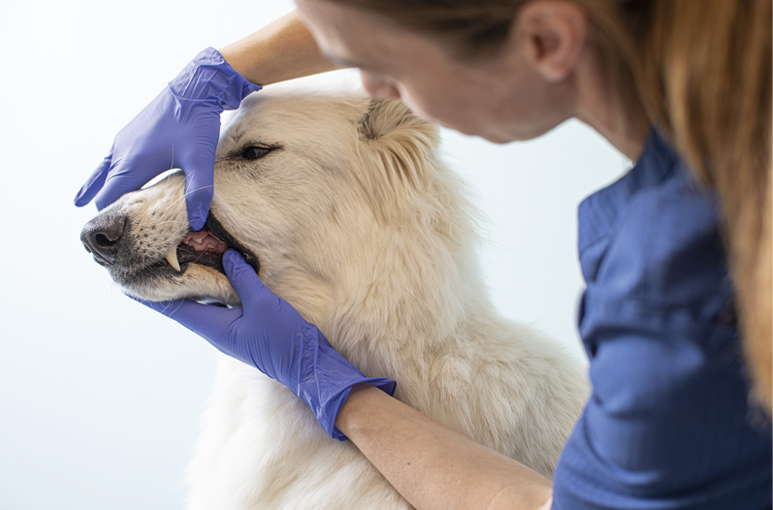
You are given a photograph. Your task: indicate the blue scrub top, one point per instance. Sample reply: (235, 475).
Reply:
(668, 423)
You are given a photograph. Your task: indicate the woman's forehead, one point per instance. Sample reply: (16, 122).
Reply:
(350, 37)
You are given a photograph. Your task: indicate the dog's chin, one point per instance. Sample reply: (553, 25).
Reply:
(195, 282)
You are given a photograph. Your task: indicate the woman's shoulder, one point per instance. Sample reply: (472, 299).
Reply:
(659, 244)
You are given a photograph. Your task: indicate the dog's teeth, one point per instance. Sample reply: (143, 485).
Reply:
(198, 241)
(171, 257)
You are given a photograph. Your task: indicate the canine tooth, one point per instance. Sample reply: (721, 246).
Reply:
(198, 241)
(171, 257)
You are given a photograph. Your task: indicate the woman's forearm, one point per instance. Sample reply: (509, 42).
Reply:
(281, 51)
(432, 466)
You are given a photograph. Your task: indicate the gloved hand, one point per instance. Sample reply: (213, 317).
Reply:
(178, 129)
(269, 334)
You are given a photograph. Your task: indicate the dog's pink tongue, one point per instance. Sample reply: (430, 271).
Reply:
(204, 241)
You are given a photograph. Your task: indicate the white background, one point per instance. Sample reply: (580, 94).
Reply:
(99, 396)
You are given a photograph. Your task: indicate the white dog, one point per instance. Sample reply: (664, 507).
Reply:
(342, 205)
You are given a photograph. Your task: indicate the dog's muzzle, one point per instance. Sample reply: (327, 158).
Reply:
(106, 237)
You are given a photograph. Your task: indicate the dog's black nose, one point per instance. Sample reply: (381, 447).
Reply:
(100, 236)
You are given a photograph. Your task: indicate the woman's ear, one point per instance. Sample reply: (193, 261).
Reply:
(551, 35)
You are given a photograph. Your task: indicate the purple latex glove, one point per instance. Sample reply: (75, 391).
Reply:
(269, 334)
(178, 129)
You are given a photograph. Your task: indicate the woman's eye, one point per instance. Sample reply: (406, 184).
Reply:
(255, 152)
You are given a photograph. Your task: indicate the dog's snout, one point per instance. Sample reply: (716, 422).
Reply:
(101, 235)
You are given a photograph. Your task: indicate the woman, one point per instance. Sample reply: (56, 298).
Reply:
(667, 425)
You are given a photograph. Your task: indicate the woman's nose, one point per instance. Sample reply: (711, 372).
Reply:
(378, 88)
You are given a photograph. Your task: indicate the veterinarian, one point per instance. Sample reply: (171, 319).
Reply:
(676, 418)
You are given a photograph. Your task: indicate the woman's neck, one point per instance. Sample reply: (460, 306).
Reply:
(625, 128)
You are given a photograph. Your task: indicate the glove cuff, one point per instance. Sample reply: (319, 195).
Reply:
(208, 77)
(327, 385)
(328, 419)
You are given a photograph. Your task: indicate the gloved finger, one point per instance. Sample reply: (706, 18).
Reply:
(245, 280)
(94, 183)
(120, 180)
(199, 189)
(210, 322)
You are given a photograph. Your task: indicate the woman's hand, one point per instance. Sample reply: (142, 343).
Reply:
(269, 334)
(178, 129)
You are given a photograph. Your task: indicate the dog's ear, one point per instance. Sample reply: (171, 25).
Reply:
(404, 145)
(389, 118)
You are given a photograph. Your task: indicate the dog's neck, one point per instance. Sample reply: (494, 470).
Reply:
(416, 304)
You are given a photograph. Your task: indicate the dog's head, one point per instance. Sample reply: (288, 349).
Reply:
(323, 194)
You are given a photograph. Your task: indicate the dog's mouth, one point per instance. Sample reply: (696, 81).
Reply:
(206, 247)
(199, 248)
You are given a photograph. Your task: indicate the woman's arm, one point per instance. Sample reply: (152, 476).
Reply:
(431, 465)
(283, 50)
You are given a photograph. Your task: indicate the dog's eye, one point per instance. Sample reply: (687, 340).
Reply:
(255, 152)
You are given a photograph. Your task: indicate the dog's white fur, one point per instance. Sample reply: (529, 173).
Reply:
(358, 225)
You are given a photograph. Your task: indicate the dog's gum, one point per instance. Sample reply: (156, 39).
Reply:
(203, 240)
